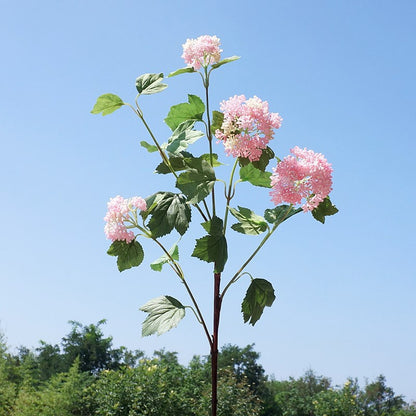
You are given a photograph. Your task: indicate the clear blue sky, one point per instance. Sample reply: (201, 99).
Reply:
(342, 75)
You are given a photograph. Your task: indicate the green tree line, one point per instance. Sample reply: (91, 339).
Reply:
(85, 375)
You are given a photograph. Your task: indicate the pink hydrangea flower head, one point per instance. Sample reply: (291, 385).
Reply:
(305, 176)
(202, 51)
(118, 212)
(247, 127)
(137, 202)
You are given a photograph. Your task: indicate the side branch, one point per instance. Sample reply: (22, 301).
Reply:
(179, 272)
(237, 275)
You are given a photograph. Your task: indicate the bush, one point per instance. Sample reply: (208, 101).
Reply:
(343, 402)
(7, 393)
(156, 388)
(64, 395)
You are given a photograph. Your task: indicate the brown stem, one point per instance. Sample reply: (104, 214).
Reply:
(214, 345)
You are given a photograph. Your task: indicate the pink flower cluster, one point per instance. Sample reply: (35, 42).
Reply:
(202, 51)
(247, 127)
(118, 212)
(305, 175)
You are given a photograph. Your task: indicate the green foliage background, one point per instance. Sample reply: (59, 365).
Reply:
(86, 375)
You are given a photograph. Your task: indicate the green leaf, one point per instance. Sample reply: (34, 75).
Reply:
(259, 295)
(128, 254)
(255, 176)
(168, 211)
(213, 247)
(177, 163)
(214, 227)
(280, 213)
(207, 157)
(198, 180)
(107, 103)
(148, 84)
(164, 313)
(249, 222)
(151, 203)
(157, 264)
(180, 162)
(183, 136)
(192, 110)
(324, 209)
(267, 154)
(225, 61)
(181, 71)
(149, 147)
(217, 120)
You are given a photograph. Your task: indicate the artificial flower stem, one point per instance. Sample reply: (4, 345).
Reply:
(201, 212)
(179, 272)
(139, 114)
(162, 153)
(206, 85)
(199, 311)
(229, 195)
(214, 345)
(206, 208)
(177, 269)
(193, 310)
(236, 276)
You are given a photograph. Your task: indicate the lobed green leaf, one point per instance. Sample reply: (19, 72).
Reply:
(158, 264)
(164, 313)
(148, 84)
(259, 295)
(249, 222)
(214, 227)
(255, 176)
(207, 157)
(128, 254)
(198, 180)
(183, 136)
(151, 203)
(107, 104)
(212, 248)
(324, 209)
(167, 211)
(280, 213)
(192, 110)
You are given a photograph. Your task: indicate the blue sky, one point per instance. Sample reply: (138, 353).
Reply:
(341, 74)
